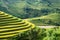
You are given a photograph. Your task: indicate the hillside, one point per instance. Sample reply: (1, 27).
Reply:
(51, 19)
(29, 19)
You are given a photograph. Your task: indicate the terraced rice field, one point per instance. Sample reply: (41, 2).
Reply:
(12, 26)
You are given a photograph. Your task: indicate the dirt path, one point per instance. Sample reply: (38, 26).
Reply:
(47, 26)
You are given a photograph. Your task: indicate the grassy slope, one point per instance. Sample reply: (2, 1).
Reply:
(51, 19)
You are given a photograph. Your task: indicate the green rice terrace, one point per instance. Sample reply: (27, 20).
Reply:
(12, 26)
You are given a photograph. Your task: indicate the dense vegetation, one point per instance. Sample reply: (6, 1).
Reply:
(39, 34)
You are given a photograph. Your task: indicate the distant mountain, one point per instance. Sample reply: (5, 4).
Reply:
(18, 7)
(31, 3)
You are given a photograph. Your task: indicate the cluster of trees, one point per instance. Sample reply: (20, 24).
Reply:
(50, 22)
(36, 13)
